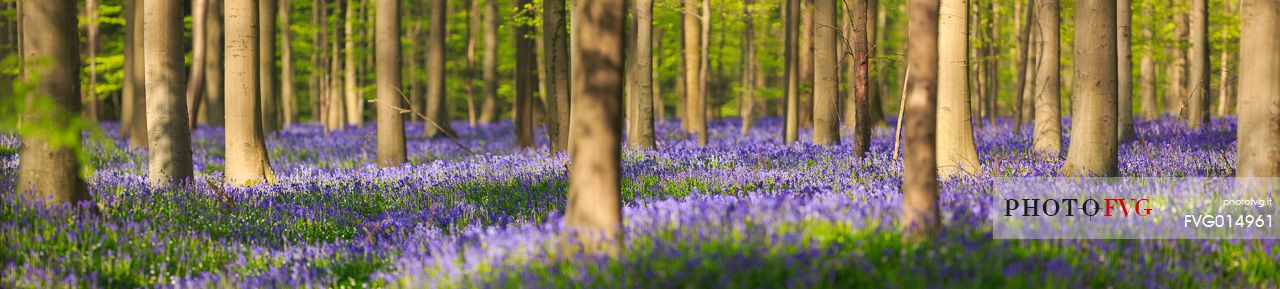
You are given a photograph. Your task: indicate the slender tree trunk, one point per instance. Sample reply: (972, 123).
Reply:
(643, 136)
(956, 152)
(1024, 41)
(334, 94)
(287, 94)
(1125, 57)
(1094, 144)
(195, 84)
(355, 115)
(391, 146)
(806, 63)
(48, 168)
(1198, 101)
(791, 127)
(473, 21)
(695, 102)
(318, 63)
(556, 51)
(659, 107)
(213, 109)
(1176, 72)
(134, 87)
(267, 65)
(992, 62)
(1226, 100)
(826, 118)
(1150, 109)
(167, 135)
(860, 76)
(920, 216)
(1047, 139)
(91, 29)
(594, 209)
(437, 104)
(875, 109)
(489, 107)
(247, 160)
(526, 82)
(748, 99)
(1258, 136)
(1033, 65)
(414, 61)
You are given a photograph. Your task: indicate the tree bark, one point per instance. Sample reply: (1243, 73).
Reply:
(1226, 99)
(1175, 94)
(355, 115)
(48, 169)
(875, 107)
(167, 135)
(437, 104)
(288, 98)
(91, 31)
(391, 146)
(556, 51)
(526, 81)
(213, 110)
(1198, 101)
(748, 99)
(195, 84)
(826, 118)
(473, 21)
(920, 216)
(1150, 109)
(806, 63)
(791, 127)
(246, 160)
(1258, 135)
(956, 152)
(267, 65)
(695, 102)
(1094, 145)
(135, 89)
(1047, 139)
(1024, 42)
(857, 111)
(643, 137)
(489, 107)
(593, 207)
(334, 95)
(1124, 27)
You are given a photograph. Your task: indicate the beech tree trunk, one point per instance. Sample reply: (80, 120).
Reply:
(267, 65)
(391, 146)
(555, 41)
(1150, 109)
(643, 136)
(1175, 95)
(1198, 84)
(1047, 139)
(748, 98)
(920, 216)
(288, 98)
(213, 110)
(806, 63)
(437, 104)
(246, 155)
(355, 113)
(695, 101)
(594, 209)
(791, 127)
(167, 135)
(135, 89)
(48, 171)
(1024, 42)
(489, 107)
(91, 31)
(1124, 123)
(526, 81)
(858, 114)
(956, 152)
(1094, 145)
(826, 118)
(1258, 133)
(195, 84)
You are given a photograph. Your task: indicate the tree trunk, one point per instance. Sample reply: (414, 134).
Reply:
(414, 61)
(1093, 123)
(695, 102)
(134, 87)
(920, 216)
(489, 107)
(1150, 109)
(526, 81)
(167, 135)
(826, 118)
(1024, 42)
(213, 110)
(791, 127)
(195, 84)
(806, 63)
(956, 152)
(334, 94)
(355, 115)
(267, 65)
(593, 207)
(246, 160)
(437, 103)
(1258, 136)
(1047, 139)
(48, 168)
(473, 21)
(1175, 95)
(1124, 27)
(992, 62)
(643, 136)
(555, 41)
(391, 146)
(748, 99)
(875, 109)
(287, 95)
(1226, 100)
(91, 29)
(659, 107)
(1198, 82)
(127, 92)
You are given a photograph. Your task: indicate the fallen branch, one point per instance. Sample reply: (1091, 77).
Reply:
(222, 196)
(447, 133)
(902, 102)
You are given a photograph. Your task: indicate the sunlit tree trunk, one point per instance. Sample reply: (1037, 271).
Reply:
(1124, 88)
(1047, 139)
(1258, 135)
(526, 81)
(1175, 94)
(1094, 145)
(1198, 82)
(956, 152)
(437, 104)
(920, 216)
(288, 98)
(806, 63)
(826, 119)
(555, 41)
(48, 169)
(391, 146)
(91, 40)
(167, 135)
(473, 23)
(1226, 98)
(489, 107)
(594, 209)
(695, 101)
(791, 131)
(355, 115)
(246, 156)
(643, 136)
(267, 66)
(748, 99)
(195, 82)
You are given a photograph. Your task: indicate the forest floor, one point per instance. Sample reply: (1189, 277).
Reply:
(745, 211)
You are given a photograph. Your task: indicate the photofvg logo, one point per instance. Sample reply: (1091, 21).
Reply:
(1135, 208)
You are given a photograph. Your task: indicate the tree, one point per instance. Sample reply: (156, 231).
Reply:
(748, 71)
(391, 146)
(593, 207)
(791, 127)
(643, 136)
(695, 101)
(213, 111)
(195, 84)
(287, 95)
(1021, 84)
(247, 160)
(859, 75)
(806, 63)
(489, 106)
(1047, 139)
(1150, 109)
(1198, 101)
(267, 66)
(437, 105)
(920, 217)
(826, 118)
(473, 23)
(1258, 136)
(135, 95)
(1124, 27)
(167, 134)
(526, 81)
(1094, 145)
(48, 168)
(91, 31)
(957, 154)
(555, 41)
(355, 111)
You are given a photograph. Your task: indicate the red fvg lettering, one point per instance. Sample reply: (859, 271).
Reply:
(1112, 204)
